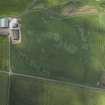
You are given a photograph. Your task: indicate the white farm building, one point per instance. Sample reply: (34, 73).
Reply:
(4, 23)
(11, 27)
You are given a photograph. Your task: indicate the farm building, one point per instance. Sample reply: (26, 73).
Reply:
(13, 23)
(15, 36)
(4, 23)
(11, 27)
(15, 31)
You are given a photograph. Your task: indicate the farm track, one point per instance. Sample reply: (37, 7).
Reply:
(10, 70)
(52, 80)
(79, 12)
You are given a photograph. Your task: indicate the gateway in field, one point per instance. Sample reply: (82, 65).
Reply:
(12, 28)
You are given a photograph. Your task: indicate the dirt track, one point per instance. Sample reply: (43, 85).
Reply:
(81, 11)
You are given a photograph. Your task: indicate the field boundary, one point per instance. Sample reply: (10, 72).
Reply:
(10, 71)
(52, 80)
(69, 11)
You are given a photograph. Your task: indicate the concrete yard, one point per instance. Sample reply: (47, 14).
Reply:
(4, 32)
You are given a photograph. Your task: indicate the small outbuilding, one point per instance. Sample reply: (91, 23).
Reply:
(13, 23)
(11, 27)
(4, 22)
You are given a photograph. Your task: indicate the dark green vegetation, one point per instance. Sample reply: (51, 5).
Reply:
(99, 4)
(63, 2)
(13, 7)
(54, 46)
(3, 89)
(25, 91)
(63, 48)
(4, 53)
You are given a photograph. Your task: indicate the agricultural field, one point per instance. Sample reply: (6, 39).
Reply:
(4, 54)
(26, 91)
(52, 3)
(13, 7)
(4, 84)
(60, 60)
(67, 48)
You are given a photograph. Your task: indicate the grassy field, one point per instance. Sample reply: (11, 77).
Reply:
(54, 46)
(3, 89)
(63, 48)
(16, 7)
(26, 91)
(51, 3)
(4, 53)
(13, 7)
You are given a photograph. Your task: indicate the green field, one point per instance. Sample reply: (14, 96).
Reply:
(67, 48)
(63, 48)
(25, 91)
(52, 3)
(3, 89)
(13, 7)
(4, 53)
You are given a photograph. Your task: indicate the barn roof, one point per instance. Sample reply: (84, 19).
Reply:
(4, 22)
